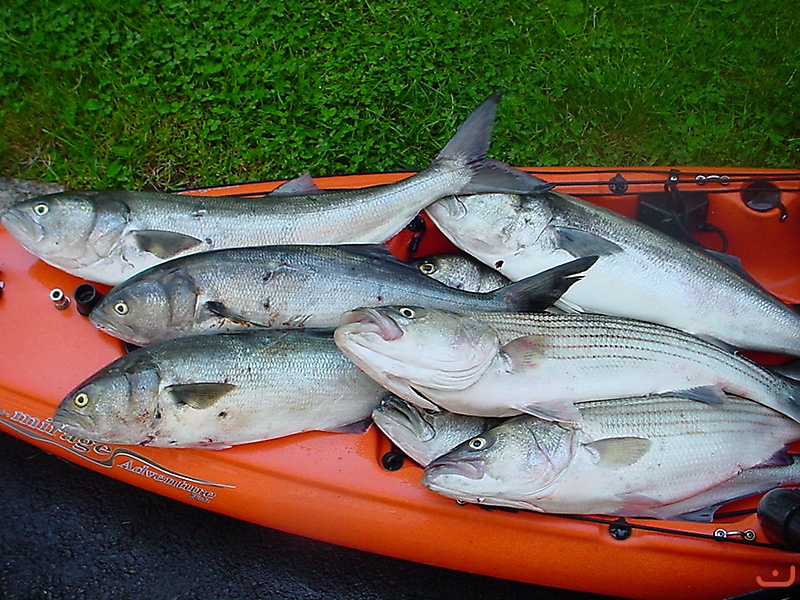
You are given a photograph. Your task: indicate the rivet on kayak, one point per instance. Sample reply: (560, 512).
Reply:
(620, 530)
(59, 298)
(392, 460)
(618, 184)
(86, 298)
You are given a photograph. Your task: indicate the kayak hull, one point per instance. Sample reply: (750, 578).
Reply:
(333, 487)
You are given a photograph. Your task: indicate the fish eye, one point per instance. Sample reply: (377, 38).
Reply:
(41, 209)
(428, 268)
(81, 400)
(407, 312)
(121, 308)
(477, 443)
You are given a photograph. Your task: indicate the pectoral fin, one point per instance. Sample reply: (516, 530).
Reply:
(219, 309)
(524, 352)
(582, 243)
(164, 244)
(709, 394)
(563, 412)
(199, 395)
(618, 452)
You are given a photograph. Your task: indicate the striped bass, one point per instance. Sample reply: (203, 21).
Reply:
(660, 456)
(504, 364)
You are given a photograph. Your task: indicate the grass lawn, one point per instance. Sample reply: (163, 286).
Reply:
(119, 94)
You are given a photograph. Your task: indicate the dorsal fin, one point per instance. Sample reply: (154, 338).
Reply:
(299, 186)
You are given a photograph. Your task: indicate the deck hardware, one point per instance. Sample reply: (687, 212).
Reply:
(721, 179)
(86, 298)
(762, 196)
(618, 184)
(417, 227)
(392, 460)
(59, 298)
(620, 530)
(748, 534)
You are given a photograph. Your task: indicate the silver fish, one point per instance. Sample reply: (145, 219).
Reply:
(659, 456)
(425, 435)
(109, 236)
(291, 287)
(504, 364)
(221, 390)
(641, 274)
(461, 272)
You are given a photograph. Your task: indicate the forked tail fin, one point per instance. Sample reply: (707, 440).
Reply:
(469, 146)
(540, 291)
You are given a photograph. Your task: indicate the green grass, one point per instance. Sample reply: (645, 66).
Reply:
(112, 94)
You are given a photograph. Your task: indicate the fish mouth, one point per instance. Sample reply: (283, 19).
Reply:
(406, 416)
(21, 226)
(75, 423)
(471, 468)
(117, 330)
(368, 320)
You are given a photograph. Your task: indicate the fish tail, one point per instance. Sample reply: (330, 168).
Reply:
(469, 146)
(540, 291)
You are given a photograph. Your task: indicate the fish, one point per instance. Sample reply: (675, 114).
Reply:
(662, 457)
(506, 364)
(108, 236)
(425, 435)
(642, 273)
(461, 272)
(293, 286)
(218, 391)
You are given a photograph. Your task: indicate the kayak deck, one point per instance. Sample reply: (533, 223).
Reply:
(333, 487)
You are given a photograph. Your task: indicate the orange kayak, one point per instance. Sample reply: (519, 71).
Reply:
(337, 487)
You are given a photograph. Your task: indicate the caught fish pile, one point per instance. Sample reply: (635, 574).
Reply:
(568, 360)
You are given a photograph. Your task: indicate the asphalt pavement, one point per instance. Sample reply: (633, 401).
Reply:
(70, 533)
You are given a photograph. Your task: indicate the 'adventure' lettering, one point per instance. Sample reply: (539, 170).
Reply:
(103, 455)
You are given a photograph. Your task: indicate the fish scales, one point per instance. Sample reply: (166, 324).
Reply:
(290, 286)
(591, 337)
(502, 364)
(642, 273)
(109, 236)
(221, 390)
(655, 456)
